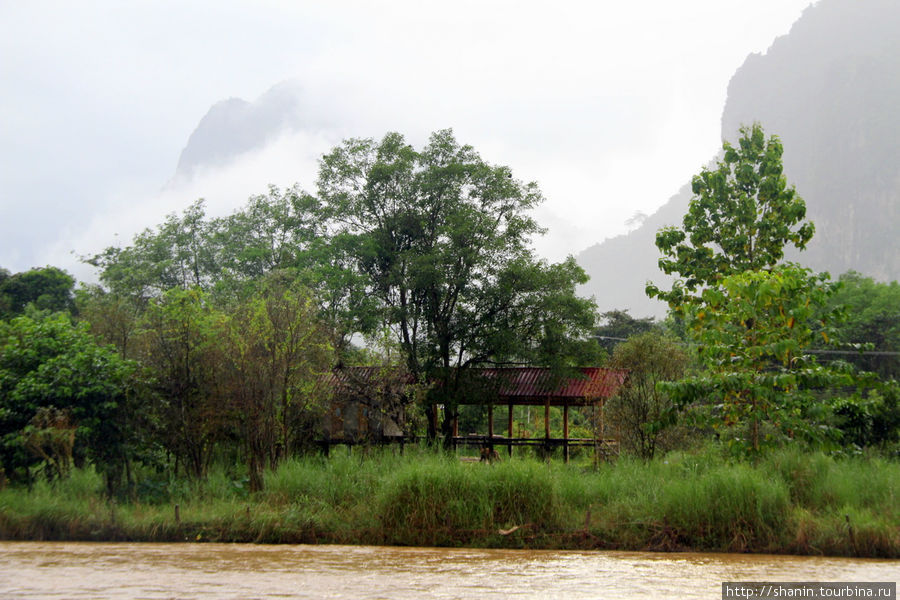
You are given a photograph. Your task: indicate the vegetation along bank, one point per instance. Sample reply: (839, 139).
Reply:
(185, 396)
(788, 502)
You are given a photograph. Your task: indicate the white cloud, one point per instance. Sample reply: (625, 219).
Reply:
(610, 106)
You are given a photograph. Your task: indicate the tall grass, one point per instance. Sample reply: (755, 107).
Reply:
(788, 501)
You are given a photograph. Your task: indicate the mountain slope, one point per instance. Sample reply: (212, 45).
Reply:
(829, 89)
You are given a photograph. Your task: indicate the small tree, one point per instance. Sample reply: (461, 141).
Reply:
(51, 437)
(180, 341)
(618, 326)
(641, 412)
(741, 218)
(275, 350)
(752, 331)
(47, 362)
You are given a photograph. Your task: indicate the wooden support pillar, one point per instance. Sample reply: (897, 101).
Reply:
(455, 430)
(434, 417)
(509, 427)
(491, 426)
(602, 420)
(547, 419)
(566, 431)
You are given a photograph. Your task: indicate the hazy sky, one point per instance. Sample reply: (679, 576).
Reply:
(609, 106)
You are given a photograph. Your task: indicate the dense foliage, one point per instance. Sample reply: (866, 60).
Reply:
(641, 413)
(741, 218)
(228, 323)
(208, 338)
(753, 318)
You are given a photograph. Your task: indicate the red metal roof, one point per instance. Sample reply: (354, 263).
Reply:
(519, 385)
(537, 384)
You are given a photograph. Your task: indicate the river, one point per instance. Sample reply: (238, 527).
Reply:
(48, 570)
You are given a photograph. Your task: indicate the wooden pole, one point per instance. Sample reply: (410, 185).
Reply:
(491, 426)
(509, 427)
(566, 431)
(547, 419)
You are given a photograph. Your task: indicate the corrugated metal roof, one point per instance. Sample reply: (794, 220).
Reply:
(523, 385)
(356, 375)
(536, 382)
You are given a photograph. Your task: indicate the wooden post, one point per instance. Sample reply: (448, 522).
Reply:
(547, 445)
(547, 419)
(455, 431)
(177, 515)
(566, 431)
(510, 429)
(491, 426)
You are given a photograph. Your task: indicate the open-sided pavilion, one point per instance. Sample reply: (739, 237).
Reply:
(357, 413)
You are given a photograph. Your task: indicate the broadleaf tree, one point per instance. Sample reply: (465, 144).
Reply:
(752, 316)
(741, 218)
(752, 331)
(443, 239)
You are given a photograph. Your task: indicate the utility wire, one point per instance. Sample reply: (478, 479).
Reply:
(854, 352)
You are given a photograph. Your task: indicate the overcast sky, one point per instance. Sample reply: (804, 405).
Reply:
(609, 106)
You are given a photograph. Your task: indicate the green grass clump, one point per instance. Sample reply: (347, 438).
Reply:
(438, 500)
(788, 500)
(732, 508)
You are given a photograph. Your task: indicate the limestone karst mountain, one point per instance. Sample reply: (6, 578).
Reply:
(830, 90)
(235, 126)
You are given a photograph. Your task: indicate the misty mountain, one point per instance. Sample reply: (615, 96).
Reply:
(829, 89)
(235, 126)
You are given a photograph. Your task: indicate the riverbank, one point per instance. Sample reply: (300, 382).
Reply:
(789, 502)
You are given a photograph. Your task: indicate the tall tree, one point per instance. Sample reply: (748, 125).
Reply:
(276, 349)
(443, 239)
(181, 342)
(752, 317)
(742, 216)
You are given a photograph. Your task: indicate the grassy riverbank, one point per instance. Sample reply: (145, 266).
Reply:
(788, 502)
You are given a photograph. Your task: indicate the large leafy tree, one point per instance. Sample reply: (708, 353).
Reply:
(741, 218)
(55, 379)
(752, 331)
(275, 350)
(46, 288)
(443, 239)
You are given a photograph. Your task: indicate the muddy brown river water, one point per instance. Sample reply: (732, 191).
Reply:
(157, 571)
